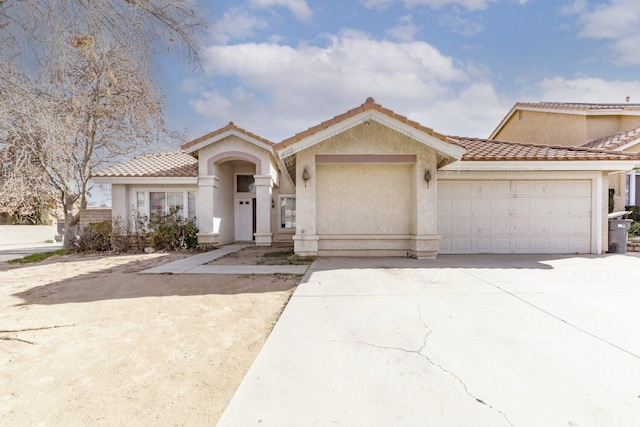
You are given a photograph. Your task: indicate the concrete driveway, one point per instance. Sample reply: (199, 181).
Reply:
(459, 341)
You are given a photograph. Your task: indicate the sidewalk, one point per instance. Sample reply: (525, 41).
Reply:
(10, 252)
(196, 265)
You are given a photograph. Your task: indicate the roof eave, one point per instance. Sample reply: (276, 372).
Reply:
(543, 165)
(146, 180)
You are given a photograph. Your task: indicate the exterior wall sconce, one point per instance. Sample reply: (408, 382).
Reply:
(427, 177)
(305, 176)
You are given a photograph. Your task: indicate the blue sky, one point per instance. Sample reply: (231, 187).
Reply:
(277, 67)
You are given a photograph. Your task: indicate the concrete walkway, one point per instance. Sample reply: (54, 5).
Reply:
(196, 265)
(457, 341)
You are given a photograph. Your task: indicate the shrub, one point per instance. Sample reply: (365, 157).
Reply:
(119, 235)
(95, 237)
(634, 230)
(635, 212)
(172, 232)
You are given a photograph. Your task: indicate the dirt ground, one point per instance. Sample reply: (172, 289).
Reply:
(85, 340)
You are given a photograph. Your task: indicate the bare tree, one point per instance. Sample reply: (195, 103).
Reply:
(77, 91)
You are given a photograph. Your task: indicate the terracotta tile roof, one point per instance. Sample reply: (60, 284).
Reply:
(230, 126)
(369, 104)
(488, 150)
(162, 165)
(577, 106)
(614, 141)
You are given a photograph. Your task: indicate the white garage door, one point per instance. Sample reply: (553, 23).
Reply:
(514, 216)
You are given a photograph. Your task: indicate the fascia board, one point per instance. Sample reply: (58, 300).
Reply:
(146, 180)
(231, 132)
(442, 147)
(568, 165)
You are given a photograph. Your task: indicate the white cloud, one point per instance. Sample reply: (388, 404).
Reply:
(405, 31)
(617, 21)
(588, 90)
(434, 4)
(236, 24)
(283, 90)
(299, 8)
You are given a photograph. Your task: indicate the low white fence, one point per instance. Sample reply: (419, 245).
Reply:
(19, 234)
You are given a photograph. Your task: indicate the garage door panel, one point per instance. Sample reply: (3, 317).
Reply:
(462, 245)
(481, 245)
(501, 245)
(520, 226)
(500, 207)
(534, 216)
(461, 227)
(500, 225)
(481, 226)
(445, 207)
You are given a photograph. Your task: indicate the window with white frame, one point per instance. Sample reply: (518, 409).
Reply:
(287, 212)
(154, 203)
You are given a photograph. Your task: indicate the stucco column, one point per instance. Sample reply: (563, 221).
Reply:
(208, 230)
(305, 241)
(264, 192)
(425, 239)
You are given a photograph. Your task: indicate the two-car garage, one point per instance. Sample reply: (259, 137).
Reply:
(515, 216)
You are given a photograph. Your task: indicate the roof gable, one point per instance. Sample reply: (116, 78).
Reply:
(574, 108)
(224, 132)
(370, 110)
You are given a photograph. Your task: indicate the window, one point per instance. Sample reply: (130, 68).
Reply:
(154, 203)
(287, 212)
(245, 184)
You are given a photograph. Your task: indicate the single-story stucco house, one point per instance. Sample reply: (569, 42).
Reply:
(370, 182)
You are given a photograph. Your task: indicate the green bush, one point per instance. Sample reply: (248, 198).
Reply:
(634, 230)
(171, 232)
(635, 212)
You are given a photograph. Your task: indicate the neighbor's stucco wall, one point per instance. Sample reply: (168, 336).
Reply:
(599, 126)
(629, 122)
(544, 128)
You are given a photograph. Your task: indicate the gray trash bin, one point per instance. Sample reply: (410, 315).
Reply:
(618, 229)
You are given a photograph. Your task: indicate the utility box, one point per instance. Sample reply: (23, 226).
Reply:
(618, 229)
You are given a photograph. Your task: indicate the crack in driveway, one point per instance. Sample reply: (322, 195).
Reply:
(421, 353)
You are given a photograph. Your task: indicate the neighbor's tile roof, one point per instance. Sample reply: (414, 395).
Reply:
(489, 150)
(162, 165)
(369, 104)
(229, 127)
(615, 141)
(577, 106)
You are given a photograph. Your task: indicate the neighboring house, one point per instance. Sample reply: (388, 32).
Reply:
(601, 126)
(371, 182)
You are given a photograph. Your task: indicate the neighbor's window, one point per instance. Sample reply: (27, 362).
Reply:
(287, 212)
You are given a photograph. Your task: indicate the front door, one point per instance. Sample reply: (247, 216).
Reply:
(244, 219)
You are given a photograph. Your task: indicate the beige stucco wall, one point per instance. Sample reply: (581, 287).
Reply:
(563, 129)
(321, 227)
(364, 199)
(544, 128)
